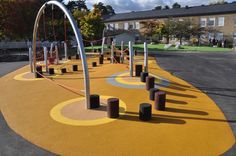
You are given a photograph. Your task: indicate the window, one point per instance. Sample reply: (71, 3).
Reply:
(221, 21)
(211, 22)
(234, 35)
(219, 36)
(211, 36)
(126, 26)
(131, 26)
(203, 22)
(116, 26)
(137, 25)
(235, 20)
(110, 26)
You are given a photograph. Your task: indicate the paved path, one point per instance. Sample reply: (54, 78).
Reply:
(10, 142)
(213, 73)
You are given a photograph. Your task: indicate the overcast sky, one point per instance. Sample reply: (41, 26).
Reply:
(139, 5)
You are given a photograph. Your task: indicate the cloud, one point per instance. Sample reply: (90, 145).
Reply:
(138, 5)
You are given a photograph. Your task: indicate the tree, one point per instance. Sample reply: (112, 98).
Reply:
(167, 7)
(91, 25)
(176, 5)
(159, 7)
(105, 10)
(215, 2)
(77, 5)
(153, 28)
(168, 29)
(17, 18)
(182, 29)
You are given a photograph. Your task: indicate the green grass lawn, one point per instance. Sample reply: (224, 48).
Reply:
(160, 47)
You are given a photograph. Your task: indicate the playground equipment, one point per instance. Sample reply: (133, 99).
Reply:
(78, 39)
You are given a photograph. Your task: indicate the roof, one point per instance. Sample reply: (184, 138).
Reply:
(180, 12)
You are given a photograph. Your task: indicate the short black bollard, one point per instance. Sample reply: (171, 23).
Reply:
(117, 59)
(143, 76)
(39, 68)
(138, 70)
(75, 67)
(108, 58)
(113, 108)
(94, 101)
(101, 59)
(63, 70)
(51, 71)
(77, 56)
(39, 74)
(150, 82)
(152, 93)
(94, 64)
(69, 57)
(160, 100)
(145, 112)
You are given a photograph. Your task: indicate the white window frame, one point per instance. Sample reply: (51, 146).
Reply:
(234, 20)
(203, 20)
(126, 25)
(116, 25)
(137, 25)
(221, 23)
(213, 19)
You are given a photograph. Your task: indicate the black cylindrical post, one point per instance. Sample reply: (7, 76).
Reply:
(51, 71)
(150, 82)
(63, 70)
(160, 100)
(75, 67)
(145, 112)
(143, 76)
(94, 101)
(152, 93)
(113, 108)
(138, 70)
(94, 64)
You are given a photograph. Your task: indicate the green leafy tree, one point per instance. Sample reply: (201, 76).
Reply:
(168, 29)
(105, 10)
(159, 7)
(182, 29)
(176, 5)
(91, 25)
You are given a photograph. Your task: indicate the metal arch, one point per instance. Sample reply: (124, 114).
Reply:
(78, 39)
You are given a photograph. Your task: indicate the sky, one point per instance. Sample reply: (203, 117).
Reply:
(140, 5)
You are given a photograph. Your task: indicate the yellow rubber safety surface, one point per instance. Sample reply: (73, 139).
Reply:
(191, 125)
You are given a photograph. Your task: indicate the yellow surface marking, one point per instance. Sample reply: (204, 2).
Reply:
(57, 116)
(20, 77)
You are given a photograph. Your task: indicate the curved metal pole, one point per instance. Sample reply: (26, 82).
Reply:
(145, 57)
(78, 39)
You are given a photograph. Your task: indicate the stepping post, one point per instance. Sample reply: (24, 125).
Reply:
(150, 82)
(152, 93)
(51, 71)
(145, 112)
(138, 70)
(69, 57)
(101, 59)
(94, 64)
(63, 70)
(113, 108)
(75, 67)
(143, 76)
(160, 100)
(94, 101)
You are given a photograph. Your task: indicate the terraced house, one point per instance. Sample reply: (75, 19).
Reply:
(221, 17)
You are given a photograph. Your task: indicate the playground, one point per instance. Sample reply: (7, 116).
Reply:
(111, 102)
